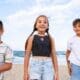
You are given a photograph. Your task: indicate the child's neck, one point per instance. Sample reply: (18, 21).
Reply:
(41, 33)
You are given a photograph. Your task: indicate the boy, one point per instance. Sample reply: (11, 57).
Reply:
(73, 52)
(5, 55)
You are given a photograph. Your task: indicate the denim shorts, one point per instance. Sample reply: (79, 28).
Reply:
(75, 75)
(41, 69)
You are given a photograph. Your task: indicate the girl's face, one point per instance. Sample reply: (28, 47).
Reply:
(42, 24)
(76, 28)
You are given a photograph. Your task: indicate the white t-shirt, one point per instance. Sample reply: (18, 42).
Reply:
(6, 55)
(74, 47)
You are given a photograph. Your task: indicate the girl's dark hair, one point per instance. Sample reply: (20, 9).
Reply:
(1, 25)
(76, 21)
(35, 29)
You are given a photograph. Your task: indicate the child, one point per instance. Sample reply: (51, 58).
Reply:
(42, 47)
(73, 52)
(5, 55)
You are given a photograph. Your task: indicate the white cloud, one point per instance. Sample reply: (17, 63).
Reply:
(20, 24)
(14, 1)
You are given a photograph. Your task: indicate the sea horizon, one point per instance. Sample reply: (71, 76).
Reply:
(19, 57)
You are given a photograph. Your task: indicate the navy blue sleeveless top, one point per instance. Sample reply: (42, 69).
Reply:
(41, 46)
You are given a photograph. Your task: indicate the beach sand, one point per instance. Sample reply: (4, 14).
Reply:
(16, 73)
(63, 72)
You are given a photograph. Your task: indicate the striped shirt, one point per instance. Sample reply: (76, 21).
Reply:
(6, 56)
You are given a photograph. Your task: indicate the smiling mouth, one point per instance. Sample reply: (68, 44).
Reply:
(42, 27)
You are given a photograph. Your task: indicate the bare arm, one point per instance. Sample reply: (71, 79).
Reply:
(54, 59)
(5, 67)
(27, 56)
(68, 62)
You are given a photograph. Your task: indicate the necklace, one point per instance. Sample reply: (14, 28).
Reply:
(42, 39)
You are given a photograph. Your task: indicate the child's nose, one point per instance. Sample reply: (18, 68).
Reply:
(42, 23)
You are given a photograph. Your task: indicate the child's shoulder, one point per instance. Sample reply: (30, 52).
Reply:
(51, 37)
(5, 45)
(33, 35)
(72, 39)
(31, 38)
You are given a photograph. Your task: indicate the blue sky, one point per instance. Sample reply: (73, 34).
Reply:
(19, 16)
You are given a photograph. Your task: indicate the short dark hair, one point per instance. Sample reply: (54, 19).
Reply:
(76, 21)
(1, 25)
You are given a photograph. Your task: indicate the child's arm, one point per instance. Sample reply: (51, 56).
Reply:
(68, 62)
(27, 57)
(54, 60)
(5, 67)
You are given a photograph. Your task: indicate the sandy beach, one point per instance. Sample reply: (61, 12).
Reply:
(16, 73)
(63, 72)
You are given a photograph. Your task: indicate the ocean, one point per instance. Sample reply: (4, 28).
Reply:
(19, 57)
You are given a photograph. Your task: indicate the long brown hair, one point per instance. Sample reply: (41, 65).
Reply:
(35, 29)
(1, 28)
(1, 25)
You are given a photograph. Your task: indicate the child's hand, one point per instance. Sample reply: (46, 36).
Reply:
(69, 69)
(56, 76)
(26, 76)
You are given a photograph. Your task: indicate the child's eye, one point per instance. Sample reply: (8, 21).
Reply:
(39, 21)
(45, 22)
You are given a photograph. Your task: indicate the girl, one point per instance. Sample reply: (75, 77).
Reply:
(42, 47)
(5, 55)
(73, 52)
